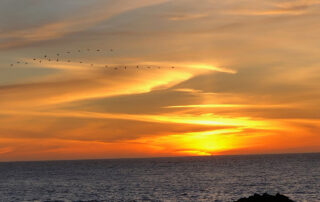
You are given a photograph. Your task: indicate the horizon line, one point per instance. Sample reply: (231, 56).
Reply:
(160, 157)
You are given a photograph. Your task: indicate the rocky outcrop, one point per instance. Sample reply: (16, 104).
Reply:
(265, 198)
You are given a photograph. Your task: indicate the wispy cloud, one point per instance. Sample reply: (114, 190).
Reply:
(81, 21)
(297, 7)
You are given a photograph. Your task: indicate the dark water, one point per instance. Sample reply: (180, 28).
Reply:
(222, 178)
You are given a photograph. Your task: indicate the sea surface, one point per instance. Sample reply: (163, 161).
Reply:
(215, 178)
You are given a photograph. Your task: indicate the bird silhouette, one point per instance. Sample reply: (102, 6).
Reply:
(59, 57)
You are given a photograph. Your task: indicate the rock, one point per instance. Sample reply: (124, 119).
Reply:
(265, 198)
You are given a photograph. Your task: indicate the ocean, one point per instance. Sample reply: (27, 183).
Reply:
(214, 178)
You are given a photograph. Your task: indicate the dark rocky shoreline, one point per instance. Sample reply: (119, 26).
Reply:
(266, 198)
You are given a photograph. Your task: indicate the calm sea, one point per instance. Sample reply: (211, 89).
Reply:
(217, 178)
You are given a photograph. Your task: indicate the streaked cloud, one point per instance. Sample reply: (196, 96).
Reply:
(89, 16)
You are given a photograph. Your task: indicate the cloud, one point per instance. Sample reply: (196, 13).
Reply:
(87, 126)
(68, 86)
(60, 28)
(297, 7)
(177, 17)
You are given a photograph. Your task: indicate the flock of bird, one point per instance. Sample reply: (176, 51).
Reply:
(63, 57)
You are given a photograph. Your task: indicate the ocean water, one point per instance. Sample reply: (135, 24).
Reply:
(216, 178)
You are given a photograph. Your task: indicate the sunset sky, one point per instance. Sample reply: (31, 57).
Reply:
(246, 78)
